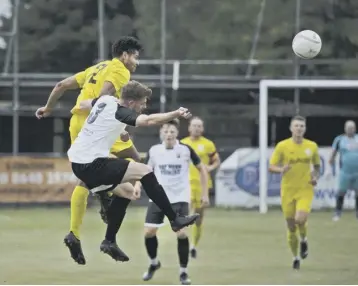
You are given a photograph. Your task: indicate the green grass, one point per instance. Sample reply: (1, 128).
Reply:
(238, 247)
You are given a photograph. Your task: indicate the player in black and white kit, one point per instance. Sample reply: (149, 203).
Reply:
(89, 155)
(170, 162)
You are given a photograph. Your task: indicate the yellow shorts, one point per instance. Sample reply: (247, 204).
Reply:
(76, 124)
(296, 200)
(196, 194)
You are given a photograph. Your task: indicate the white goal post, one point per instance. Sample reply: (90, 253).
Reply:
(265, 85)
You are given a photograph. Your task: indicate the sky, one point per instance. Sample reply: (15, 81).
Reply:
(5, 11)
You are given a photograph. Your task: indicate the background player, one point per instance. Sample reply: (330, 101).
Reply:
(107, 77)
(293, 158)
(171, 161)
(89, 155)
(347, 146)
(208, 155)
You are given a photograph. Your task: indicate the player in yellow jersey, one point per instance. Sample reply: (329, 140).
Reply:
(208, 155)
(107, 77)
(293, 158)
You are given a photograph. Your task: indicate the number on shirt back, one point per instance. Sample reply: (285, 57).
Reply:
(93, 75)
(94, 114)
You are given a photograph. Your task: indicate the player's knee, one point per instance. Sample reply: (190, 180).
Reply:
(137, 171)
(181, 234)
(301, 218)
(200, 211)
(150, 231)
(199, 220)
(145, 169)
(125, 190)
(300, 221)
(291, 224)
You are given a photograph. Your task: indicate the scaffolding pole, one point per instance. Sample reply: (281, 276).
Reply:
(296, 68)
(101, 40)
(163, 47)
(15, 70)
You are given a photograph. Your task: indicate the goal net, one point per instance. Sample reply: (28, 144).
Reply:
(265, 86)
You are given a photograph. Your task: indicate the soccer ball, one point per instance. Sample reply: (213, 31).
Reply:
(307, 44)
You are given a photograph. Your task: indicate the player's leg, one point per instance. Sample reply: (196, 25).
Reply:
(289, 209)
(183, 245)
(78, 205)
(144, 174)
(342, 189)
(354, 187)
(80, 193)
(115, 214)
(303, 208)
(103, 174)
(120, 149)
(153, 220)
(197, 207)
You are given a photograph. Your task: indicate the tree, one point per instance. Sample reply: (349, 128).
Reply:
(225, 29)
(61, 36)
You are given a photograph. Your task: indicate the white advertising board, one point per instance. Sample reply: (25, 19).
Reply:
(237, 182)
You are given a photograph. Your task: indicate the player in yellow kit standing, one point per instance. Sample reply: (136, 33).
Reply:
(208, 155)
(293, 158)
(107, 77)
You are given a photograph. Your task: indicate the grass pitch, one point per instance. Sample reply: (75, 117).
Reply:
(237, 247)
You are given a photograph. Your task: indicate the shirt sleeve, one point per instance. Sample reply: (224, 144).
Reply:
(126, 115)
(316, 159)
(93, 102)
(150, 158)
(277, 156)
(118, 77)
(211, 149)
(81, 78)
(193, 156)
(336, 143)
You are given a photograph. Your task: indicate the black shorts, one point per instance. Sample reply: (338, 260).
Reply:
(155, 217)
(103, 174)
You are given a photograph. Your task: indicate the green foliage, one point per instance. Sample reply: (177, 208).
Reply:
(61, 35)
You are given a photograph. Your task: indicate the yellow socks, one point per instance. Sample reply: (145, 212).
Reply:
(303, 231)
(78, 209)
(293, 241)
(196, 234)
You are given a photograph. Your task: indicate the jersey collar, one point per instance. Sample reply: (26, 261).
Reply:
(116, 60)
(176, 144)
(196, 140)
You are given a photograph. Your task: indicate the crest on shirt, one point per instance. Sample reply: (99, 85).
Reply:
(178, 155)
(201, 147)
(308, 152)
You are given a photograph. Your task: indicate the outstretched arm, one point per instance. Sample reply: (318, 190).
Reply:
(161, 118)
(62, 86)
(57, 92)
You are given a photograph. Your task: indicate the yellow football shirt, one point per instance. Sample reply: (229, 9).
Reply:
(206, 150)
(92, 79)
(300, 157)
